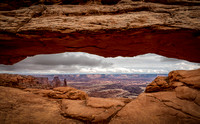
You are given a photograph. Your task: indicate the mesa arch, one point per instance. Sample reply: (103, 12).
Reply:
(125, 29)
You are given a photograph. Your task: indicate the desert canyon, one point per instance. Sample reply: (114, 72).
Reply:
(108, 28)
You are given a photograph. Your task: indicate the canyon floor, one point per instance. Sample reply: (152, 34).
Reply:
(172, 99)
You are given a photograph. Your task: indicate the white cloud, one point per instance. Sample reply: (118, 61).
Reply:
(87, 63)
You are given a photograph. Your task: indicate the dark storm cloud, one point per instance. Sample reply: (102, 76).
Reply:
(88, 63)
(7, 67)
(65, 62)
(30, 68)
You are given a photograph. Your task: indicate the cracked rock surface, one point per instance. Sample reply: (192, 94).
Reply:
(175, 79)
(167, 103)
(95, 110)
(17, 106)
(179, 104)
(128, 28)
(157, 108)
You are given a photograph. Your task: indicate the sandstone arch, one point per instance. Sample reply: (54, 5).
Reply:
(125, 29)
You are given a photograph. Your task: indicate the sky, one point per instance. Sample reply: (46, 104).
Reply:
(84, 63)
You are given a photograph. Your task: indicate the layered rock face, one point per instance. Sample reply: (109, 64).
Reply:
(60, 93)
(24, 81)
(179, 2)
(19, 81)
(16, 4)
(174, 80)
(173, 99)
(128, 28)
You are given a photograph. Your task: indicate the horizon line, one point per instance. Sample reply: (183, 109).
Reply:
(79, 73)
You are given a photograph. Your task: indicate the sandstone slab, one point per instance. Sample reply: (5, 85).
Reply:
(17, 106)
(95, 110)
(157, 108)
(186, 93)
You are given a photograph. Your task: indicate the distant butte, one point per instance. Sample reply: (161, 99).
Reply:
(128, 28)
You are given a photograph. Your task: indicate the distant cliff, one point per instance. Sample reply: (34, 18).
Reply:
(24, 81)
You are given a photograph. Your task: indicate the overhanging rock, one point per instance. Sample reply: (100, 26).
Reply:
(125, 29)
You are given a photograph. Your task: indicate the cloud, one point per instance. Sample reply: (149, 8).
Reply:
(165, 59)
(59, 63)
(67, 59)
(87, 63)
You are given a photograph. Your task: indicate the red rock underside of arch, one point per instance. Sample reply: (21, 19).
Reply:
(124, 29)
(182, 44)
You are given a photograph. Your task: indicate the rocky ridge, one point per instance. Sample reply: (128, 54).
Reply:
(24, 81)
(173, 99)
(177, 103)
(169, 30)
(175, 79)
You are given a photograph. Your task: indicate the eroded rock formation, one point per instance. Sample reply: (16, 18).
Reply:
(175, 79)
(95, 110)
(128, 28)
(56, 82)
(179, 102)
(18, 81)
(17, 106)
(173, 99)
(60, 93)
(179, 2)
(24, 81)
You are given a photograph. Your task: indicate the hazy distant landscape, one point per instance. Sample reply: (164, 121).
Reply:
(103, 85)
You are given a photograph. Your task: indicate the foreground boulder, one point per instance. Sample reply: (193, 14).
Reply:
(170, 100)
